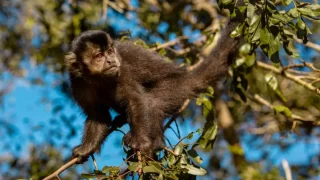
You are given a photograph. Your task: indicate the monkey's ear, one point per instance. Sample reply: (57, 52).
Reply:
(72, 65)
(69, 59)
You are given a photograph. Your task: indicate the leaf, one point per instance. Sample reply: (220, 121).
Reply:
(290, 50)
(250, 60)
(226, 2)
(283, 110)
(210, 90)
(265, 36)
(133, 166)
(178, 149)
(195, 156)
(207, 108)
(293, 13)
(194, 170)
(286, 2)
(154, 166)
(273, 51)
(245, 49)
(162, 52)
(271, 81)
(238, 31)
(208, 136)
(111, 170)
(190, 135)
(88, 176)
(150, 169)
(250, 11)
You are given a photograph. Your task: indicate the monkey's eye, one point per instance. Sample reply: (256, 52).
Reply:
(98, 56)
(110, 51)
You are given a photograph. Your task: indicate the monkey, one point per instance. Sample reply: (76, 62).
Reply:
(138, 84)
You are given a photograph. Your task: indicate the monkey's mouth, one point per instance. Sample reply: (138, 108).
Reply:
(111, 70)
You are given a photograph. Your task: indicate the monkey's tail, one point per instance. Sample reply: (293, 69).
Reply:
(216, 64)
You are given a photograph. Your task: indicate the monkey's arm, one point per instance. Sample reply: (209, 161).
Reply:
(97, 122)
(95, 132)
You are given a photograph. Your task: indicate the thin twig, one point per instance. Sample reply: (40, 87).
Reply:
(139, 168)
(173, 118)
(61, 169)
(294, 117)
(170, 151)
(309, 44)
(115, 7)
(287, 170)
(94, 162)
(170, 43)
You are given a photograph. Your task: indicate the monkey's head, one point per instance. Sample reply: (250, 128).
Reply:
(93, 55)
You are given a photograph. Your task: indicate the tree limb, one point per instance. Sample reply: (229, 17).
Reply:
(61, 169)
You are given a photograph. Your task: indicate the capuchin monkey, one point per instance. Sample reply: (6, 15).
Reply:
(138, 84)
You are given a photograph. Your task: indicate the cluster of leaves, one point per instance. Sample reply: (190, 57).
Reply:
(180, 162)
(267, 27)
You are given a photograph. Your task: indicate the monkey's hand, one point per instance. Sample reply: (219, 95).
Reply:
(82, 153)
(144, 143)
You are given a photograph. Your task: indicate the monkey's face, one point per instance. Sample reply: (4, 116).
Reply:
(101, 60)
(93, 54)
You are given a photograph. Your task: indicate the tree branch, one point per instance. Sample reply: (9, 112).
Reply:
(61, 169)
(294, 117)
(282, 72)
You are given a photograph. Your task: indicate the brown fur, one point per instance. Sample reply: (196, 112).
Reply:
(146, 89)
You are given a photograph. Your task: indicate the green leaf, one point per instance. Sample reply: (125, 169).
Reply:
(133, 166)
(245, 49)
(265, 36)
(207, 108)
(250, 60)
(178, 149)
(154, 166)
(162, 52)
(283, 110)
(293, 13)
(271, 81)
(290, 50)
(195, 156)
(250, 11)
(172, 159)
(301, 24)
(111, 170)
(88, 176)
(239, 61)
(271, 7)
(190, 135)
(273, 51)
(150, 169)
(195, 170)
(210, 90)
(209, 134)
(226, 2)
(286, 2)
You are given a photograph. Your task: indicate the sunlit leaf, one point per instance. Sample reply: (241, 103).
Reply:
(284, 110)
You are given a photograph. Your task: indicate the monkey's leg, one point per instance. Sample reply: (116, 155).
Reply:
(95, 132)
(146, 133)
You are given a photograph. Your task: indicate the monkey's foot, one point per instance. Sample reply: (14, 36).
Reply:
(146, 144)
(82, 153)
